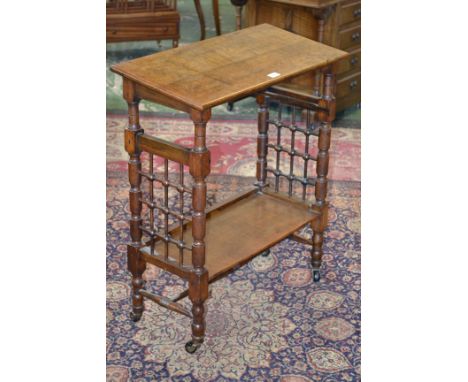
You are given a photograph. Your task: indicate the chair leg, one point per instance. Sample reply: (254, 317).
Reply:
(201, 18)
(216, 17)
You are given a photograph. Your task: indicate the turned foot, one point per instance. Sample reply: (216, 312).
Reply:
(316, 275)
(265, 253)
(191, 346)
(230, 106)
(135, 317)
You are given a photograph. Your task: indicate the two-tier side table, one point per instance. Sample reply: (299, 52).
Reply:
(201, 244)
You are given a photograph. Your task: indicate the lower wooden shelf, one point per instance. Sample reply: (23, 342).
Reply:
(236, 232)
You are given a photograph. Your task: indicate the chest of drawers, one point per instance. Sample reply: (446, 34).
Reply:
(333, 22)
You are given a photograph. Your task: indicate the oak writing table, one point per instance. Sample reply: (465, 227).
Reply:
(204, 243)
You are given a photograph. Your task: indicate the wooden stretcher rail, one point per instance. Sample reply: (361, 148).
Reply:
(300, 239)
(286, 99)
(165, 149)
(166, 303)
(168, 265)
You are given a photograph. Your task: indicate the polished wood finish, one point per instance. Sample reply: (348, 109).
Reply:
(223, 69)
(242, 219)
(199, 169)
(135, 264)
(162, 148)
(206, 243)
(142, 20)
(336, 23)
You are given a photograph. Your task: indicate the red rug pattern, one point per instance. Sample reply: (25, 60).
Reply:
(232, 144)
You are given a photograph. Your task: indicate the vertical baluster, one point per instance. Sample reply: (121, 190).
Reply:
(319, 225)
(198, 282)
(262, 140)
(291, 157)
(278, 144)
(166, 206)
(136, 264)
(151, 199)
(306, 151)
(181, 212)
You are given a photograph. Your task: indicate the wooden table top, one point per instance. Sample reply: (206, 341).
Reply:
(222, 69)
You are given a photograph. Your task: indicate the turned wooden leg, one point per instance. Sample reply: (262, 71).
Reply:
(216, 17)
(198, 283)
(136, 265)
(319, 225)
(201, 18)
(262, 141)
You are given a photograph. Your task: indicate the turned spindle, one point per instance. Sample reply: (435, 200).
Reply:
(319, 225)
(262, 141)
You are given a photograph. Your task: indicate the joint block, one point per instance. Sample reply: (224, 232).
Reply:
(200, 164)
(330, 113)
(131, 140)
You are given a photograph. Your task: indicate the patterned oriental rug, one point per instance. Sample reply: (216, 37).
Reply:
(267, 321)
(233, 145)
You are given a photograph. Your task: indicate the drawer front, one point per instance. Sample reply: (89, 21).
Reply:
(350, 63)
(121, 33)
(349, 85)
(350, 12)
(350, 37)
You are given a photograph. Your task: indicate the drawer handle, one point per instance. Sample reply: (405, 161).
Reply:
(356, 36)
(353, 84)
(354, 61)
(357, 12)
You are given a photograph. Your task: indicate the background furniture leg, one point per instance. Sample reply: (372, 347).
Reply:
(262, 141)
(198, 283)
(201, 17)
(216, 17)
(238, 17)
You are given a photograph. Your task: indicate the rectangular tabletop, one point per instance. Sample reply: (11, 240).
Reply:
(222, 69)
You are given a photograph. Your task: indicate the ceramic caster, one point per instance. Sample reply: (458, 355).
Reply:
(191, 347)
(135, 317)
(316, 276)
(265, 253)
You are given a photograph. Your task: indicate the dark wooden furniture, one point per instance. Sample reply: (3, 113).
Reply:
(201, 17)
(334, 22)
(205, 243)
(142, 20)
